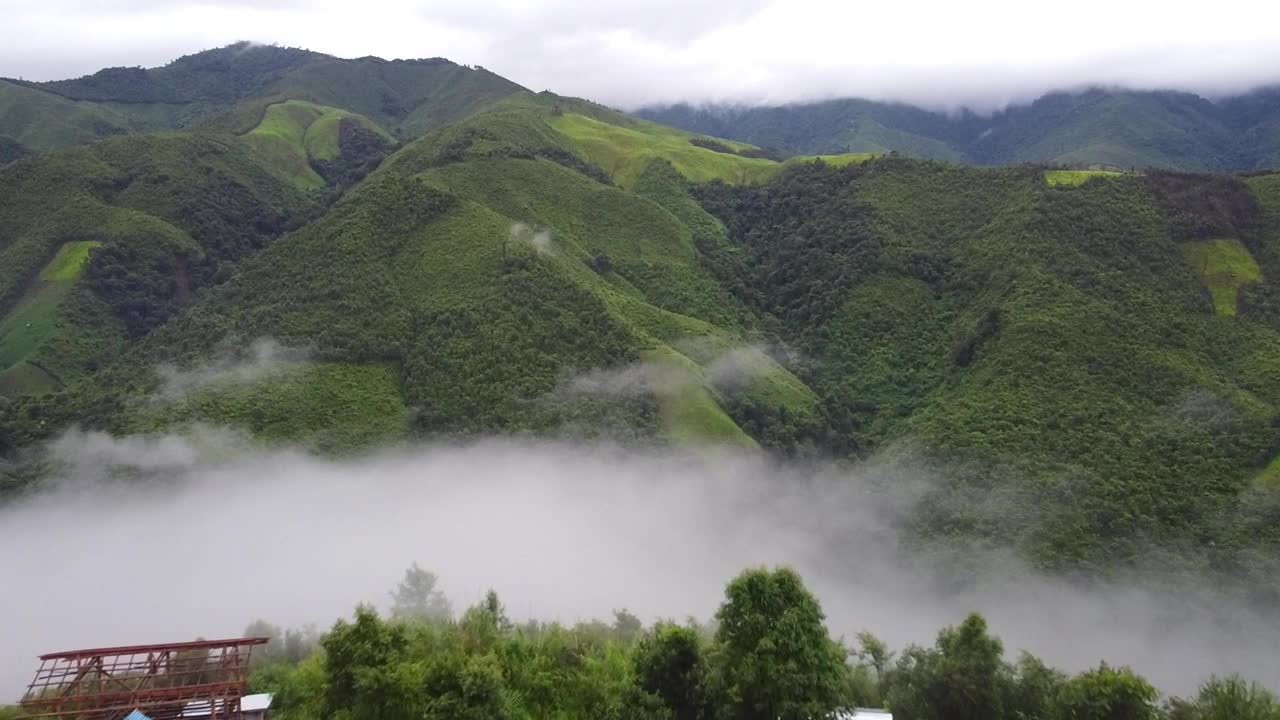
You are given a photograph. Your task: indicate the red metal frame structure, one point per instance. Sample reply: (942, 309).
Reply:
(206, 677)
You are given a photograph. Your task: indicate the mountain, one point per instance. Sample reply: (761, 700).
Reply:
(1118, 129)
(1089, 359)
(406, 97)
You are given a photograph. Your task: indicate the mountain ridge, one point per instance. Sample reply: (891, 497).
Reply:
(1095, 126)
(406, 97)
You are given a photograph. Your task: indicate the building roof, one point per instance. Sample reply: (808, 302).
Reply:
(248, 703)
(136, 715)
(252, 703)
(864, 714)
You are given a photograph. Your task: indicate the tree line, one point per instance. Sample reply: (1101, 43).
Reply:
(766, 655)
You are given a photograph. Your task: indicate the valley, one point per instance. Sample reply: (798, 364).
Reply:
(960, 344)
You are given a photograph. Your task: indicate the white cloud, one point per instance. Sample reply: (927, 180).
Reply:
(630, 52)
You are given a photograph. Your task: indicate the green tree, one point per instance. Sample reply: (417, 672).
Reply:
(1232, 698)
(874, 654)
(774, 657)
(964, 677)
(626, 626)
(361, 660)
(1106, 693)
(461, 687)
(1034, 689)
(418, 597)
(669, 664)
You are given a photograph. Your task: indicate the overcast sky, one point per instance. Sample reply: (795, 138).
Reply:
(980, 53)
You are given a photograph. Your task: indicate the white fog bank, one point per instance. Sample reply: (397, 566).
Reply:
(561, 532)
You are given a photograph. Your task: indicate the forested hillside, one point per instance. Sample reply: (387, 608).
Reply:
(1113, 128)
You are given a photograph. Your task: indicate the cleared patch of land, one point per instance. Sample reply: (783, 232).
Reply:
(294, 133)
(1224, 265)
(36, 314)
(837, 160)
(624, 152)
(1076, 177)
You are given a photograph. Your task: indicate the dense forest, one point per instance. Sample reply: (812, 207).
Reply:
(766, 654)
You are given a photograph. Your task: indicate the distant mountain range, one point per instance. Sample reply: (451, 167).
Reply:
(1106, 128)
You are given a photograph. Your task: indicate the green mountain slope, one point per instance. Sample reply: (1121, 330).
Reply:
(104, 243)
(37, 120)
(1091, 360)
(485, 270)
(1121, 129)
(1094, 367)
(406, 97)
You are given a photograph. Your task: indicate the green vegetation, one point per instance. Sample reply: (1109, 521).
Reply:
(293, 136)
(1048, 345)
(1116, 129)
(219, 88)
(838, 160)
(1223, 265)
(624, 152)
(43, 121)
(550, 267)
(768, 655)
(23, 329)
(163, 216)
(328, 407)
(1075, 177)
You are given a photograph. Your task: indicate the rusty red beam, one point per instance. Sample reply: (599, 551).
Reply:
(141, 649)
(100, 683)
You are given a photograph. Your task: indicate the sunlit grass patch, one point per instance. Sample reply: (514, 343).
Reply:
(1076, 177)
(35, 317)
(1224, 265)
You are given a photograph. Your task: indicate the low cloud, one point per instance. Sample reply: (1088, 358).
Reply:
(206, 534)
(539, 239)
(631, 53)
(722, 369)
(261, 359)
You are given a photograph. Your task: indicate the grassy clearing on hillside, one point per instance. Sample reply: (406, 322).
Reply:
(1076, 177)
(330, 407)
(36, 315)
(294, 133)
(624, 152)
(835, 160)
(1270, 475)
(1224, 265)
(68, 264)
(690, 413)
(25, 379)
